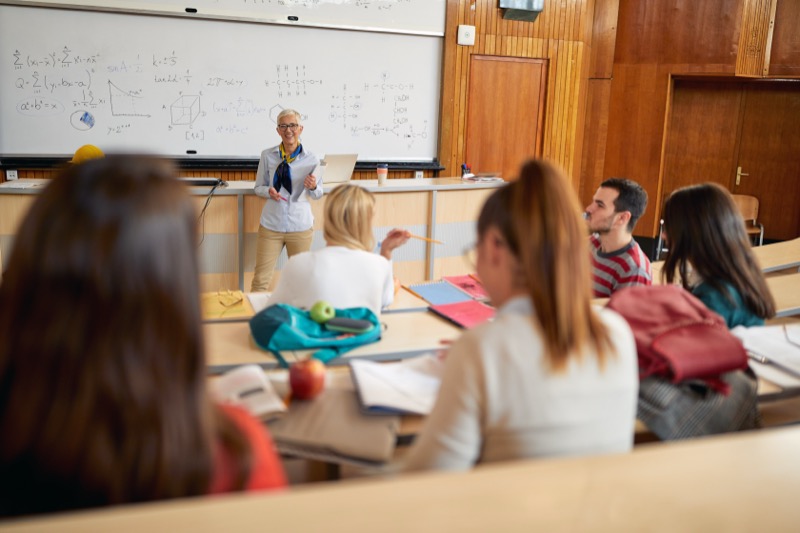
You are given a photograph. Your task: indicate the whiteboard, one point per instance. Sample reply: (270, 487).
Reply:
(211, 89)
(405, 16)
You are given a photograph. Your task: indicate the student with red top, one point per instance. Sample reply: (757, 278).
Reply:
(617, 259)
(103, 391)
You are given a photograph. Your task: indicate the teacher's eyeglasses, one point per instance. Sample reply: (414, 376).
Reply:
(284, 127)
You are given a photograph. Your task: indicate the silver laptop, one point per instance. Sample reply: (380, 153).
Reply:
(338, 168)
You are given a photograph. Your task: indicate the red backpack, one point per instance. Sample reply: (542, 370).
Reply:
(677, 336)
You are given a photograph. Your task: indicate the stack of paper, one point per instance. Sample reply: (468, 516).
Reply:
(774, 352)
(404, 387)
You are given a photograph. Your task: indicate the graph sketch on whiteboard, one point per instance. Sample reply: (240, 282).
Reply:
(124, 103)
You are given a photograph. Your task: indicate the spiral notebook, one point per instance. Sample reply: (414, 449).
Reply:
(439, 292)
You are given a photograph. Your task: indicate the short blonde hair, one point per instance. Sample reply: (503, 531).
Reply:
(348, 218)
(286, 113)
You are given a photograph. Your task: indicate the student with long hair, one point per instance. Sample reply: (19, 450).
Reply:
(103, 378)
(346, 273)
(550, 375)
(710, 253)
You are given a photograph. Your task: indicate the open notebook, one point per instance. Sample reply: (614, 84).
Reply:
(409, 386)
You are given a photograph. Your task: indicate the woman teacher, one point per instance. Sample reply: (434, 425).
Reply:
(285, 178)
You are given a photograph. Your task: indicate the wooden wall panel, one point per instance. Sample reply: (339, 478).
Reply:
(678, 31)
(755, 39)
(594, 146)
(559, 35)
(785, 56)
(655, 41)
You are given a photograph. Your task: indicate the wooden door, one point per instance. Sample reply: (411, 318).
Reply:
(505, 113)
(717, 126)
(770, 154)
(701, 140)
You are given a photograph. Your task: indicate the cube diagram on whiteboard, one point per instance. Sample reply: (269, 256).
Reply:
(466, 35)
(185, 110)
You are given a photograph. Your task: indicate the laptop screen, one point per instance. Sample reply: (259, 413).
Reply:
(338, 167)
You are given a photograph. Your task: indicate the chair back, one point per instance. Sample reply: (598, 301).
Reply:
(748, 206)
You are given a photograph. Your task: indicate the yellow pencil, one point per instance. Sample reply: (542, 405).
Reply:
(434, 241)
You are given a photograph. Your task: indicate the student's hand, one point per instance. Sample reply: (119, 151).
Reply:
(273, 193)
(310, 182)
(396, 237)
(397, 285)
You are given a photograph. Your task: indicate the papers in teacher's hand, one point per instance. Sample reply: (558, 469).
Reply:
(247, 386)
(404, 387)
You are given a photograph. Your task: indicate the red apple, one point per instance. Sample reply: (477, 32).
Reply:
(307, 378)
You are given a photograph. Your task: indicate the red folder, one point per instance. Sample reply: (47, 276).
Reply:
(465, 314)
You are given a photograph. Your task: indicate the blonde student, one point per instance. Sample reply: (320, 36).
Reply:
(551, 375)
(346, 273)
(103, 376)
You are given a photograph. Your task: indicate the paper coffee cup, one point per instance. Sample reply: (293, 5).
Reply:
(382, 171)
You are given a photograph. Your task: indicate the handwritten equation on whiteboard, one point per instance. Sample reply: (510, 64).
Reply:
(206, 96)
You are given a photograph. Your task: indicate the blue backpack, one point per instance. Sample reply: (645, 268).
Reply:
(285, 327)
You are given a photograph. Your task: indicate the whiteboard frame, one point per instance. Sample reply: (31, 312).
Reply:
(135, 8)
(237, 162)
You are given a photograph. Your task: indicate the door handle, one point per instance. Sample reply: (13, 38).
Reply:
(739, 175)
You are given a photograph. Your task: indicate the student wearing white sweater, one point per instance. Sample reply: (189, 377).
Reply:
(550, 375)
(346, 273)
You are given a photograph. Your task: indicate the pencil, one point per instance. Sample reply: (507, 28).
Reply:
(434, 241)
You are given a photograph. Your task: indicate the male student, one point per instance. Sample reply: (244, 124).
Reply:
(617, 259)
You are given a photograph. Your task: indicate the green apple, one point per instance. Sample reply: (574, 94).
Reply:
(322, 311)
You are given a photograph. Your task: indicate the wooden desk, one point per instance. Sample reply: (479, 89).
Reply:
(771, 257)
(786, 291)
(403, 302)
(438, 208)
(229, 344)
(739, 482)
(778, 256)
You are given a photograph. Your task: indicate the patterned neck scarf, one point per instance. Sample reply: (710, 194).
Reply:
(283, 174)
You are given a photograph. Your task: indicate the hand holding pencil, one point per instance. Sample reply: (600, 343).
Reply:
(395, 238)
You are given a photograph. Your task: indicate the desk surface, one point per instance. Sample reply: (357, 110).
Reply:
(407, 334)
(779, 255)
(785, 289)
(739, 482)
(771, 257)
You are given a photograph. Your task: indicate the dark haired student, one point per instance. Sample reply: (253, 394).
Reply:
(617, 259)
(710, 253)
(103, 387)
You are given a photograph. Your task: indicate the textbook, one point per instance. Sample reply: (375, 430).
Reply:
(247, 386)
(465, 314)
(469, 284)
(409, 386)
(438, 292)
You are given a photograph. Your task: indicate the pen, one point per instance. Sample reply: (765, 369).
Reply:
(425, 239)
(282, 198)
